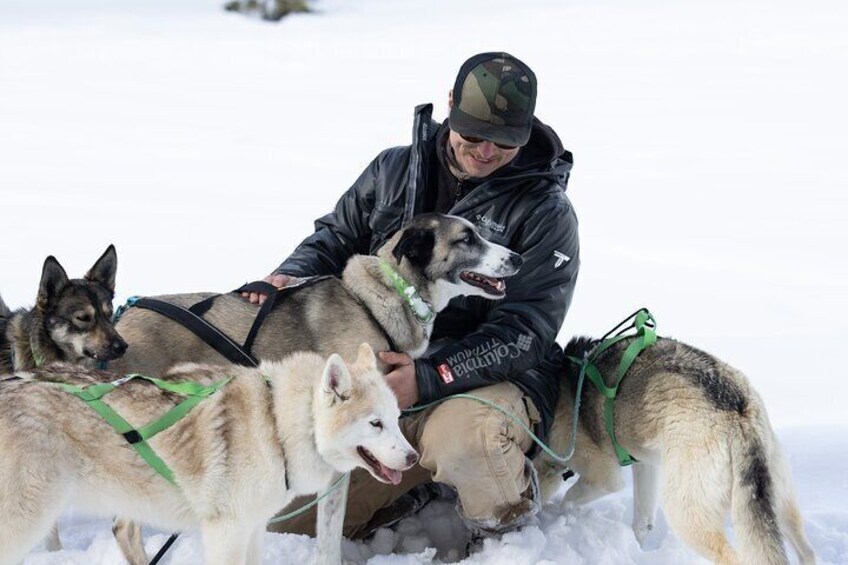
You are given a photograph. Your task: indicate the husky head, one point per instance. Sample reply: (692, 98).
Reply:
(77, 313)
(356, 420)
(452, 258)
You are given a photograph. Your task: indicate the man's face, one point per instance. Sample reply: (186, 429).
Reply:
(479, 159)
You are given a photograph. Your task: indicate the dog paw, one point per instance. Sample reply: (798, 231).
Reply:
(642, 532)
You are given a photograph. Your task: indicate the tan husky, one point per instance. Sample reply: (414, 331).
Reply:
(286, 429)
(703, 442)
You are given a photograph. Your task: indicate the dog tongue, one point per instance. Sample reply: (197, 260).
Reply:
(392, 475)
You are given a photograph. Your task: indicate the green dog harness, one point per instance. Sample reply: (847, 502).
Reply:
(138, 438)
(645, 336)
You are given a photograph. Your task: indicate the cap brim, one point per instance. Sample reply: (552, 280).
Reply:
(465, 124)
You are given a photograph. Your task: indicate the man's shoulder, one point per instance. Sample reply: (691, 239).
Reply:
(394, 156)
(547, 195)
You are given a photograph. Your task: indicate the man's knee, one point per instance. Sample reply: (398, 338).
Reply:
(479, 450)
(461, 432)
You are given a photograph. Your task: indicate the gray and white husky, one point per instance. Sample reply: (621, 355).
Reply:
(703, 443)
(286, 429)
(441, 256)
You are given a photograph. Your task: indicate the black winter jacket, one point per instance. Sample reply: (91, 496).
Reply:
(521, 207)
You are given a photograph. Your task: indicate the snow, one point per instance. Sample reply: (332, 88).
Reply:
(709, 182)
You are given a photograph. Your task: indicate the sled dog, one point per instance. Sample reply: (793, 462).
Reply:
(71, 320)
(441, 256)
(703, 443)
(288, 428)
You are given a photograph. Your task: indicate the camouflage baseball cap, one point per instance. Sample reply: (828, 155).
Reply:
(494, 97)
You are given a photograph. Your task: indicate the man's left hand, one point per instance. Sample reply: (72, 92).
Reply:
(401, 379)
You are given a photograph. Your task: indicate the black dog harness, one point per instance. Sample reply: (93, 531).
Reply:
(240, 354)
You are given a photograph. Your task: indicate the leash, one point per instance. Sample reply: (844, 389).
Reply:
(308, 505)
(645, 336)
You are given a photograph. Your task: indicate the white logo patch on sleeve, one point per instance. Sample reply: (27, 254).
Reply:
(560, 259)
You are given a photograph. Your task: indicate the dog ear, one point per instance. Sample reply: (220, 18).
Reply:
(53, 280)
(336, 380)
(365, 357)
(416, 244)
(104, 269)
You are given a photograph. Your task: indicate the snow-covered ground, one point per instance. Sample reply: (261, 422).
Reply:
(709, 141)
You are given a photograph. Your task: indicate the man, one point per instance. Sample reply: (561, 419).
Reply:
(493, 163)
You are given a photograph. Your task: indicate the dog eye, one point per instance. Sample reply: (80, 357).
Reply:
(83, 318)
(377, 424)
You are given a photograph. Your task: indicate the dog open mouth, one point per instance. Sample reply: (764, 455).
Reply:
(493, 286)
(380, 471)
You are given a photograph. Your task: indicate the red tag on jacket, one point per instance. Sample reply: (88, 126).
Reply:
(445, 373)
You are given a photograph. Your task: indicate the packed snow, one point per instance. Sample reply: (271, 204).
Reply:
(709, 179)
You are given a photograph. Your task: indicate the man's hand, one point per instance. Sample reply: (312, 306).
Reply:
(402, 378)
(278, 280)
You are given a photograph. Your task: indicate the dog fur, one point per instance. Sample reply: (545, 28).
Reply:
(314, 420)
(704, 444)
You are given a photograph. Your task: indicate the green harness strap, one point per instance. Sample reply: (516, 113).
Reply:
(645, 337)
(137, 438)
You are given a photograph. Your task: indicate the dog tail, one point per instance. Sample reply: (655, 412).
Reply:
(755, 494)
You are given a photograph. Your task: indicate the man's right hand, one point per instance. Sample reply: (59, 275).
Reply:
(277, 279)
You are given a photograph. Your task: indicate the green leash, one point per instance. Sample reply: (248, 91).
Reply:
(645, 335)
(138, 438)
(309, 505)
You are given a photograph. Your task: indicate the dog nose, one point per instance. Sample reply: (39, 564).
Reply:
(119, 346)
(411, 458)
(515, 260)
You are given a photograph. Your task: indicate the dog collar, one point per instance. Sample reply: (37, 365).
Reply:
(422, 309)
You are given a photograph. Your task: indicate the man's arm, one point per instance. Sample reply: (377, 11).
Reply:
(520, 329)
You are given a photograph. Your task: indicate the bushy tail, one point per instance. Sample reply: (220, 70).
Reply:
(755, 496)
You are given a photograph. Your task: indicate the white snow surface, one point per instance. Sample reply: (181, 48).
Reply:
(709, 179)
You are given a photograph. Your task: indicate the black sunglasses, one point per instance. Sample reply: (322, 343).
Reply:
(472, 139)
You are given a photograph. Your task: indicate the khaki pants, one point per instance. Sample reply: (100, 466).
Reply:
(463, 443)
